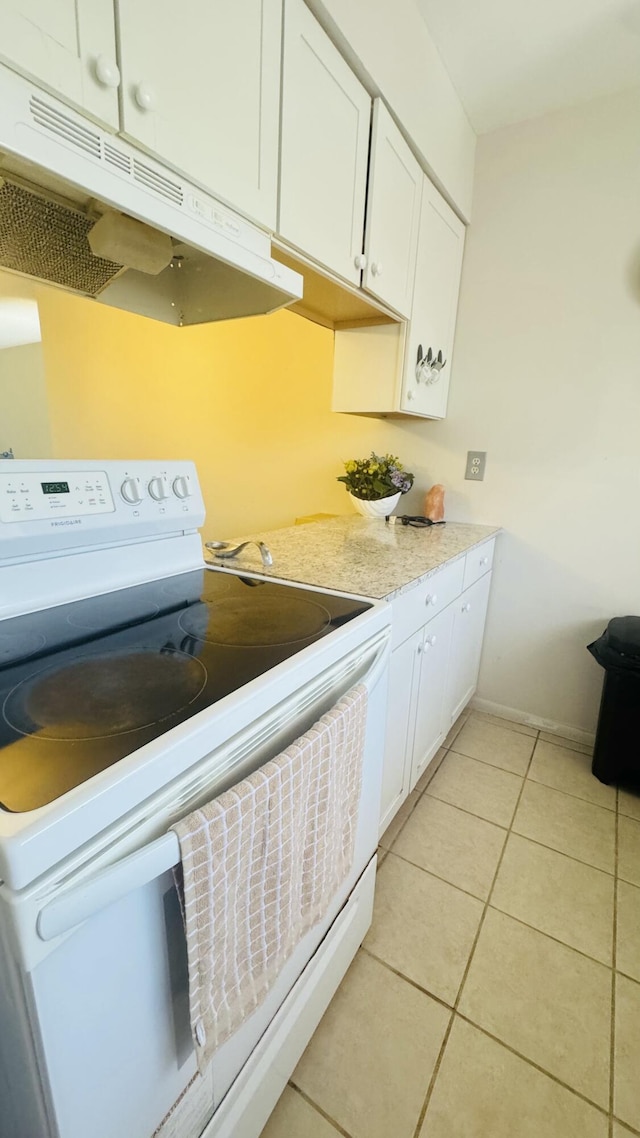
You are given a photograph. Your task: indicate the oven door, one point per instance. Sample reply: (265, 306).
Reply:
(94, 995)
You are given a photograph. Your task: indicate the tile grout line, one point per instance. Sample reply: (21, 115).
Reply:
(484, 1031)
(532, 1063)
(518, 833)
(537, 781)
(612, 1051)
(327, 1117)
(407, 979)
(486, 763)
(386, 851)
(443, 1047)
(496, 909)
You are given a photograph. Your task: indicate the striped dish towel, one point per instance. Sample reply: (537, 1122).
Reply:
(261, 864)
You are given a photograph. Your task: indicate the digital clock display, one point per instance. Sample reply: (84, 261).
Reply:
(55, 487)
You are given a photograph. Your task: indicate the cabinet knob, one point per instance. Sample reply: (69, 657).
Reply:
(466, 607)
(431, 599)
(410, 393)
(431, 640)
(419, 649)
(106, 71)
(360, 261)
(484, 560)
(376, 268)
(145, 97)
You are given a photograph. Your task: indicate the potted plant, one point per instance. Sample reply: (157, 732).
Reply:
(375, 484)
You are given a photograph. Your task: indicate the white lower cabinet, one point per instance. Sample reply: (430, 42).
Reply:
(470, 611)
(431, 719)
(434, 668)
(400, 728)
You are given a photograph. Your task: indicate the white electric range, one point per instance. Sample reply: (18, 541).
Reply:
(136, 683)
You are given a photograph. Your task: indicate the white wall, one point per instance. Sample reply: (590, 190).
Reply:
(399, 59)
(547, 381)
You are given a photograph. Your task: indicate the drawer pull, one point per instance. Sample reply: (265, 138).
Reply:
(484, 560)
(466, 607)
(431, 599)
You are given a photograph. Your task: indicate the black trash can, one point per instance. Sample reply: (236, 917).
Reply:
(616, 756)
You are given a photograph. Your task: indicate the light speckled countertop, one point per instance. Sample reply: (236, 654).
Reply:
(359, 555)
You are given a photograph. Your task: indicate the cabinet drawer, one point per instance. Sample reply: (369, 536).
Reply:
(414, 608)
(478, 562)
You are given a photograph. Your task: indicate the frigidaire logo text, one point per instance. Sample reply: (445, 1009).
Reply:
(68, 522)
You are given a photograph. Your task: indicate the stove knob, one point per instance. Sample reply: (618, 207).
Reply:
(131, 491)
(181, 487)
(157, 489)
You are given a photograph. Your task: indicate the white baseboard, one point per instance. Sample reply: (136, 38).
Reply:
(575, 733)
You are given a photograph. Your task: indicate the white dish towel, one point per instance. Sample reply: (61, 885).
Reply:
(261, 864)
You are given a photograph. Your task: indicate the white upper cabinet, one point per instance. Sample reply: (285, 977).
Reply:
(201, 90)
(68, 46)
(429, 344)
(393, 214)
(324, 147)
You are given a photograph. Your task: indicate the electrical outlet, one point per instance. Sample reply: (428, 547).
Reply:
(476, 462)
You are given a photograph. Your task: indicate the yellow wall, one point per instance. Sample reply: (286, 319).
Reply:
(247, 400)
(24, 405)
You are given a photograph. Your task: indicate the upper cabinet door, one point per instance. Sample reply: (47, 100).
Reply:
(393, 214)
(324, 147)
(429, 346)
(69, 47)
(201, 90)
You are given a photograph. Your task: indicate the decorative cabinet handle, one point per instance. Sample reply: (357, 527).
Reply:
(431, 599)
(106, 71)
(360, 261)
(145, 97)
(467, 607)
(429, 366)
(376, 268)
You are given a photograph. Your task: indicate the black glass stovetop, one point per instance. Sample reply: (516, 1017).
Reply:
(85, 684)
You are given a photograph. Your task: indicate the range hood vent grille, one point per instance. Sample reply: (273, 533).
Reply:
(158, 183)
(64, 127)
(48, 240)
(116, 158)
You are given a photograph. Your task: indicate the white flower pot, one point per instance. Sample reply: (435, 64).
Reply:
(378, 509)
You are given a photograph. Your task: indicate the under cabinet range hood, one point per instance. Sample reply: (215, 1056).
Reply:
(84, 210)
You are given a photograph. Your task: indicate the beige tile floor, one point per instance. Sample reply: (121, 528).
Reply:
(497, 993)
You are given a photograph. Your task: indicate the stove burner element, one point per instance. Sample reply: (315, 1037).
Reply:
(100, 613)
(100, 696)
(16, 648)
(268, 621)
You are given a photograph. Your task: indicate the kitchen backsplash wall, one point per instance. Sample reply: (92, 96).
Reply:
(25, 425)
(247, 400)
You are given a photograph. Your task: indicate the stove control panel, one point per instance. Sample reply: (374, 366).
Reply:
(47, 506)
(35, 497)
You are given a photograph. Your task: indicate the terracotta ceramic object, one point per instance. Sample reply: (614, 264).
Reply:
(434, 503)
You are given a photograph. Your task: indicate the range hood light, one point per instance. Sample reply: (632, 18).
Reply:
(122, 239)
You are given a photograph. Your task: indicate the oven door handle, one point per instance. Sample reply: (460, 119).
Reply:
(107, 886)
(136, 869)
